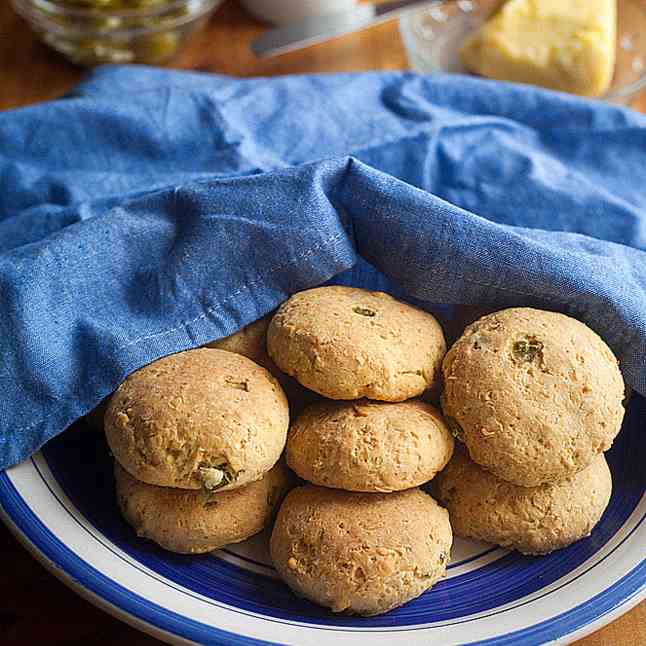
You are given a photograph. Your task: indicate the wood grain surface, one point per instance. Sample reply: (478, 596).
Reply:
(34, 606)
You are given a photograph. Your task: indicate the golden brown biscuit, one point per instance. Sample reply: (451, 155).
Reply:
(251, 342)
(536, 395)
(369, 446)
(203, 418)
(348, 343)
(532, 520)
(360, 553)
(192, 522)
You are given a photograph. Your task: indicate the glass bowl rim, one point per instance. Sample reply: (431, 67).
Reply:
(53, 7)
(33, 11)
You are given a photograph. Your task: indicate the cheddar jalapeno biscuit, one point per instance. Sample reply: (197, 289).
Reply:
(534, 395)
(348, 343)
(369, 446)
(192, 522)
(204, 418)
(360, 553)
(250, 341)
(532, 520)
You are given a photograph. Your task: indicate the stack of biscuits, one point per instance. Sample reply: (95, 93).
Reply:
(362, 537)
(534, 397)
(197, 439)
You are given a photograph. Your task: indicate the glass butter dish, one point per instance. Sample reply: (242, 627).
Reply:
(92, 32)
(434, 35)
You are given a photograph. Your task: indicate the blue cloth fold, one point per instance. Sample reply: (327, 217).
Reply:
(152, 211)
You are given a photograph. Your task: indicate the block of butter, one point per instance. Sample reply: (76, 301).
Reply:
(566, 45)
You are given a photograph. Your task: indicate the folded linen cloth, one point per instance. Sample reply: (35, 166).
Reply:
(152, 211)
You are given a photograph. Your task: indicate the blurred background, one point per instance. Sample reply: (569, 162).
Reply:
(216, 36)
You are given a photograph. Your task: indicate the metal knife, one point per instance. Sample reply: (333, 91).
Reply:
(319, 28)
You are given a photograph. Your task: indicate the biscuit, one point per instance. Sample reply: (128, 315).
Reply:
(193, 522)
(369, 446)
(203, 418)
(534, 395)
(348, 343)
(532, 520)
(360, 553)
(251, 342)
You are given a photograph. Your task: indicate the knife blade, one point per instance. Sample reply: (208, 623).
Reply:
(320, 28)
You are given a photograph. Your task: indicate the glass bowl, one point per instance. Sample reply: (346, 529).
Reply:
(433, 36)
(151, 34)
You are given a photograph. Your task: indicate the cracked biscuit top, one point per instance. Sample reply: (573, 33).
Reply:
(369, 446)
(534, 395)
(360, 553)
(204, 418)
(348, 343)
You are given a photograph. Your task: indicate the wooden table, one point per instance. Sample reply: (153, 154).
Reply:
(34, 606)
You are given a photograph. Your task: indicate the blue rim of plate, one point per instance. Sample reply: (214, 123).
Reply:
(67, 565)
(167, 623)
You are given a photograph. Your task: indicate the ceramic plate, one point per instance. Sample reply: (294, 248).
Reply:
(61, 505)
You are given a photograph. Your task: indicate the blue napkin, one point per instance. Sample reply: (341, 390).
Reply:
(152, 211)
